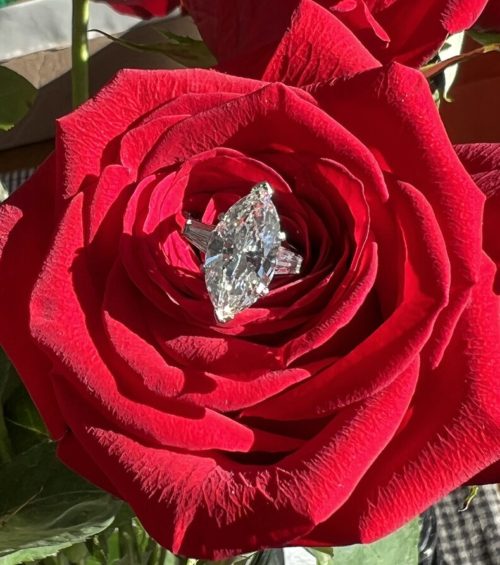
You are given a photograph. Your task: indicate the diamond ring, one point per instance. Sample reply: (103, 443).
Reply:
(243, 252)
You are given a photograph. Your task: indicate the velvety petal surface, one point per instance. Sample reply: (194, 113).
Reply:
(289, 41)
(297, 40)
(482, 161)
(143, 8)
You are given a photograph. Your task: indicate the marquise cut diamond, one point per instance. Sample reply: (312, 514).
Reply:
(242, 253)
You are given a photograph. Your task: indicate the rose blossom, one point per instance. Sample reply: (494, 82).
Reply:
(143, 8)
(336, 408)
(482, 160)
(490, 17)
(245, 35)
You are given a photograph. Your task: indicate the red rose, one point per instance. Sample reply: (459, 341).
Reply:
(244, 36)
(336, 408)
(490, 18)
(482, 160)
(143, 8)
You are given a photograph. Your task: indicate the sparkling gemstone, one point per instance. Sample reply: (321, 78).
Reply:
(242, 252)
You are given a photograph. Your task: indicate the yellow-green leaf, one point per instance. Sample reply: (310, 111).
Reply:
(16, 98)
(181, 49)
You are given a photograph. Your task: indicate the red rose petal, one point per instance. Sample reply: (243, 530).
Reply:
(143, 8)
(26, 225)
(79, 359)
(393, 345)
(482, 161)
(88, 131)
(451, 432)
(290, 41)
(124, 323)
(205, 504)
(396, 99)
(271, 118)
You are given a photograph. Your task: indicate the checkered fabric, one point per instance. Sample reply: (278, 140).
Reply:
(471, 537)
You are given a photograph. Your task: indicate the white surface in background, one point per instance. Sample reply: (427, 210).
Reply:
(4, 193)
(40, 25)
(453, 48)
(298, 556)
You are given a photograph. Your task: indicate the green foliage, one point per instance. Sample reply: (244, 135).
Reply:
(484, 37)
(186, 51)
(8, 383)
(16, 97)
(20, 424)
(23, 422)
(323, 555)
(183, 50)
(9, 380)
(399, 548)
(44, 507)
(127, 543)
(473, 492)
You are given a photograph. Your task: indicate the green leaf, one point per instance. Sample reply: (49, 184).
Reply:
(323, 555)
(5, 443)
(9, 381)
(187, 51)
(484, 37)
(473, 492)
(244, 559)
(399, 548)
(45, 507)
(76, 553)
(171, 559)
(23, 421)
(124, 543)
(16, 98)
(267, 557)
(184, 50)
(20, 424)
(7, 384)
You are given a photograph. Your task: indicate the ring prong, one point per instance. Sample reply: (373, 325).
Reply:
(262, 290)
(268, 187)
(187, 224)
(263, 186)
(282, 236)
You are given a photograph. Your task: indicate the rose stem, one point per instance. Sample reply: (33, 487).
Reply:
(80, 52)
